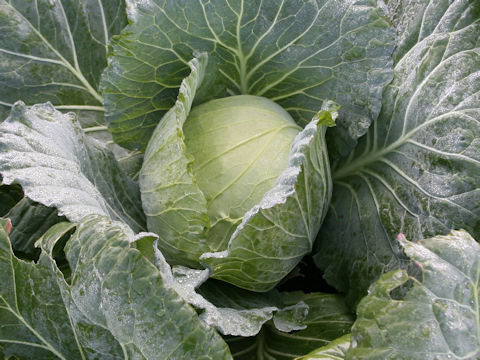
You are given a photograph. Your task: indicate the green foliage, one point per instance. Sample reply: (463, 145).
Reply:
(57, 165)
(112, 284)
(335, 350)
(416, 170)
(398, 83)
(265, 48)
(435, 316)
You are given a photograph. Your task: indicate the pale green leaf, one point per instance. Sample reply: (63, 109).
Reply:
(275, 234)
(335, 350)
(172, 201)
(272, 237)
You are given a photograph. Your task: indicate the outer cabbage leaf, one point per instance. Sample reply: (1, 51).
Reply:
(327, 319)
(232, 311)
(173, 203)
(34, 321)
(30, 220)
(55, 51)
(335, 350)
(416, 20)
(47, 153)
(9, 196)
(115, 306)
(434, 317)
(297, 53)
(417, 170)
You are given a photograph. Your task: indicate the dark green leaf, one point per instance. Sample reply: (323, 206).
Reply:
(9, 196)
(416, 20)
(328, 318)
(30, 220)
(417, 170)
(297, 53)
(55, 51)
(34, 323)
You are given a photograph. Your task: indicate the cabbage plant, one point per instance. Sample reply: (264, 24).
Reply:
(236, 188)
(226, 179)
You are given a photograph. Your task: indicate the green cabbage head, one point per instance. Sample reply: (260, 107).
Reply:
(236, 185)
(240, 146)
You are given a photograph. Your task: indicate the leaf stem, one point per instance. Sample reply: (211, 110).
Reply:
(95, 129)
(241, 57)
(80, 107)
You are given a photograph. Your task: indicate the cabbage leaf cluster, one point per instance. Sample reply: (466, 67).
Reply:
(233, 179)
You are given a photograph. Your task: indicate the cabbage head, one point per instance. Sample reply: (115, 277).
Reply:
(236, 185)
(240, 146)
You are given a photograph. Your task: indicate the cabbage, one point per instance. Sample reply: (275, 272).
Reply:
(236, 185)
(240, 145)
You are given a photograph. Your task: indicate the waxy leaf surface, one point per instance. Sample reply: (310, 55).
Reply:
(417, 170)
(297, 53)
(58, 166)
(114, 306)
(433, 315)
